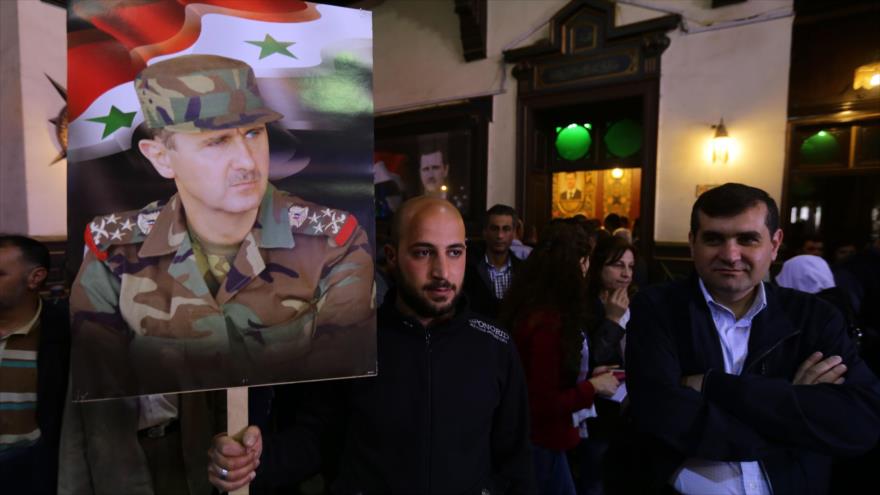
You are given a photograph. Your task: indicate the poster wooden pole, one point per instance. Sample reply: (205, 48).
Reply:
(237, 421)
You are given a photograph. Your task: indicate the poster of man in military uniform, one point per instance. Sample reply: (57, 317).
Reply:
(229, 280)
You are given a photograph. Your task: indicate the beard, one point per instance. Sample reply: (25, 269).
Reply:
(420, 304)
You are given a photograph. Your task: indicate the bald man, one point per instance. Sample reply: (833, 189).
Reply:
(446, 414)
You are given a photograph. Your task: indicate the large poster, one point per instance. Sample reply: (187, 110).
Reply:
(221, 191)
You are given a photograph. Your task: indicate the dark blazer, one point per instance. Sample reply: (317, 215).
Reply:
(792, 431)
(478, 285)
(34, 469)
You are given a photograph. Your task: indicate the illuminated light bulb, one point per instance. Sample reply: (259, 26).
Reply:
(867, 76)
(617, 173)
(720, 144)
(443, 188)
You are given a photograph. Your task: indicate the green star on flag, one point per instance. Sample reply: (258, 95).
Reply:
(115, 120)
(270, 45)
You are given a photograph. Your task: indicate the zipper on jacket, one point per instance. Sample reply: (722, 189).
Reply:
(771, 349)
(430, 441)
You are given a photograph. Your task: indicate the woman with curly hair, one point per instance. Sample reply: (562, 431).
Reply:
(545, 310)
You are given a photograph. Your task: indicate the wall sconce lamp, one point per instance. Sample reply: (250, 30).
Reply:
(720, 144)
(867, 76)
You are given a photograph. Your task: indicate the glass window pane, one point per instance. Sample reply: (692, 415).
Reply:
(868, 146)
(822, 146)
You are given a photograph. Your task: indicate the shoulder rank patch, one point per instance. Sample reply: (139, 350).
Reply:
(89, 238)
(120, 228)
(338, 225)
(297, 215)
(146, 219)
(490, 330)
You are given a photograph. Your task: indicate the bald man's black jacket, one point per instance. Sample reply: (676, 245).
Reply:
(447, 413)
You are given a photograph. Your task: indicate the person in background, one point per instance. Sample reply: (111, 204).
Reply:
(813, 245)
(531, 236)
(844, 251)
(138, 446)
(592, 227)
(623, 233)
(549, 320)
(610, 289)
(859, 276)
(810, 273)
(807, 273)
(612, 222)
(813, 275)
(517, 247)
(491, 271)
(34, 357)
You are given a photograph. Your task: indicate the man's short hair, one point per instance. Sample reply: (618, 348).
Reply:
(612, 222)
(33, 251)
(812, 238)
(500, 209)
(161, 134)
(731, 199)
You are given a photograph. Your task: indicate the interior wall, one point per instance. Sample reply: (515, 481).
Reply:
(719, 68)
(419, 63)
(740, 74)
(43, 51)
(13, 194)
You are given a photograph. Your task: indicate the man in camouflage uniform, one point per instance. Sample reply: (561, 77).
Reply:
(230, 282)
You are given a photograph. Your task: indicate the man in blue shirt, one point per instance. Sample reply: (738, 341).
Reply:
(491, 267)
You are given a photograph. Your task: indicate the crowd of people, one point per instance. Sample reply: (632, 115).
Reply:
(504, 369)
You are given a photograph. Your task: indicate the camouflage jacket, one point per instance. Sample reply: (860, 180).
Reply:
(297, 303)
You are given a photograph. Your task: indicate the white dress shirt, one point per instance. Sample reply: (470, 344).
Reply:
(699, 476)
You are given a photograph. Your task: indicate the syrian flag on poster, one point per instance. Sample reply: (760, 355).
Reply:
(298, 51)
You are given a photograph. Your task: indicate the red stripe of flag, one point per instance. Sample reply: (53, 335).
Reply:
(125, 35)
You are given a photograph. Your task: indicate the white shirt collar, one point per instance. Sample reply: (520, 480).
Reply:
(758, 304)
(27, 327)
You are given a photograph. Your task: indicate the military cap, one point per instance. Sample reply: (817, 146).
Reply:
(194, 93)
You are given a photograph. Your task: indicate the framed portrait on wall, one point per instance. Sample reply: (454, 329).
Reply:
(596, 193)
(439, 152)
